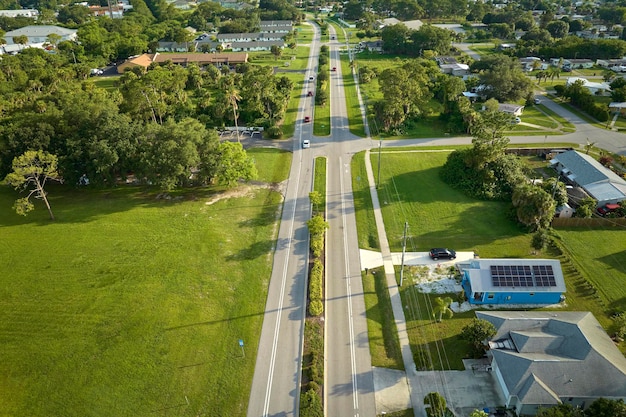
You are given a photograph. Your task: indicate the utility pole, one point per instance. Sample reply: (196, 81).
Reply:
(380, 145)
(406, 226)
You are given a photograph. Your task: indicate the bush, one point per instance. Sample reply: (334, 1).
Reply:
(317, 245)
(316, 308)
(315, 281)
(311, 405)
(275, 132)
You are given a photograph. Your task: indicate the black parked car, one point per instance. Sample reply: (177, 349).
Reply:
(442, 253)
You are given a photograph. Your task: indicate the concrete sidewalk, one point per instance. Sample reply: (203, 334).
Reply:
(394, 294)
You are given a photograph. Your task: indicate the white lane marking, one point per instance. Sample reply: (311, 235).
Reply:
(270, 376)
(355, 397)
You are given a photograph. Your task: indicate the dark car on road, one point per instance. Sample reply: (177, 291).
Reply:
(442, 253)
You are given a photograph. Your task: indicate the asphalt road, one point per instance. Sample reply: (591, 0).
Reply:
(349, 385)
(276, 382)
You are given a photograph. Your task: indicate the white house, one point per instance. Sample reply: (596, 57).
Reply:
(32, 13)
(593, 87)
(39, 34)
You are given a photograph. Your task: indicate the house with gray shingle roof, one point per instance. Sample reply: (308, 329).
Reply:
(542, 359)
(38, 34)
(584, 171)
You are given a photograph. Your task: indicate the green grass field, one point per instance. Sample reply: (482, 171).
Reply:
(319, 180)
(132, 305)
(411, 190)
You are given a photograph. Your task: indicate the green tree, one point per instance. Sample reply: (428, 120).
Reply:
(502, 77)
(234, 164)
(437, 404)
(560, 410)
(477, 332)
(317, 225)
(442, 308)
(603, 407)
(478, 413)
(534, 207)
(558, 29)
(316, 199)
(233, 97)
(540, 239)
(277, 51)
(585, 208)
(30, 173)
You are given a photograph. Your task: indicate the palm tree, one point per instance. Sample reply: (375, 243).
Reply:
(442, 308)
(589, 146)
(233, 98)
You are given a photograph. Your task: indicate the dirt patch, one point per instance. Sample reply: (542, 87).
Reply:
(247, 189)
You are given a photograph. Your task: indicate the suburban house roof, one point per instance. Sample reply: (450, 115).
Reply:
(272, 23)
(600, 182)
(589, 84)
(544, 357)
(40, 31)
(510, 108)
(492, 275)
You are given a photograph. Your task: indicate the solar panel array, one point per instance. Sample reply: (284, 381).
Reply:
(522, 276)
(544, 276)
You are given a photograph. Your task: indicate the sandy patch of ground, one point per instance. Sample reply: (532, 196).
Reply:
(246, 190)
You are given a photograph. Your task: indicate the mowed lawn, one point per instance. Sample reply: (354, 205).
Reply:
(133, 305)
(438, 215)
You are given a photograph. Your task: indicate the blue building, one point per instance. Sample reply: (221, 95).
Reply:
(513, 281)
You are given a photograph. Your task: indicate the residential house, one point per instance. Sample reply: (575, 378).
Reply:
(618, 107)
(531, 63)
(513, 281)
(115, 12)
(510, 108)
(230, 59)
(166, 46)
(372, 46)
(543, 359)
(276, 26)
(446, 60)
(458, 70)
(38, 34)
(578, 63)
(593, 87)
(608, 63)
(32, 13)
(254, 46)
(599, 182)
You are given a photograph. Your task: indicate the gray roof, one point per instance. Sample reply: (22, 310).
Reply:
(270, 23)
(555, 355)
(602, 183)
(479, 272)
(40, 31)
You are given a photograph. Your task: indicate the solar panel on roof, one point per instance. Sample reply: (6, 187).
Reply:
(522, 276)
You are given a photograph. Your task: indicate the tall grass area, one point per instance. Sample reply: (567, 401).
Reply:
(130, 304)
